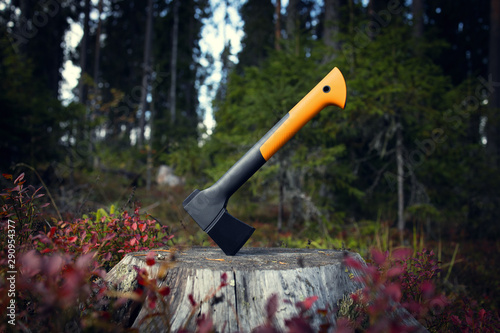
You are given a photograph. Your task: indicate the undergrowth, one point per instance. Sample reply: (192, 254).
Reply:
(60, 267)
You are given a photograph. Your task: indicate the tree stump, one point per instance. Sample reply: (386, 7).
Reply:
(253, 276)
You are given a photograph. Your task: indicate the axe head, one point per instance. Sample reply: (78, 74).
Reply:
(208, 209)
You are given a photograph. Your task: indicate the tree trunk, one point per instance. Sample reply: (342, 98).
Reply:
(418, 18)
(95, 100)
(374, 6)
(351, 57)
(82, 91)
(493, 121)
(281, 204)
(97, 54)
(277, 27)
(293, 24)
(252, 276)
(418, 24)
(149, 158)
(400, 176)
(331, 24)
(146, 73)
(173, 63)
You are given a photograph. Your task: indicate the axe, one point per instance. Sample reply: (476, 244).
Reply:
(208, 207)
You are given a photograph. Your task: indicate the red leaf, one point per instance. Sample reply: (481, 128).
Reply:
(439, 302)
(395, 271)
(45, 205)
(93, 240)
(402, 253)
(191, 300)
(144, 238)
(204, 324)
(378, 256)
(51, 232)
(322, 312)
(307, 303)
(164, 291)
(72, 239)
(152, 301)
(150, 258)
(18, 179)
(133, 241)
(31, 263)
(109, 236)
(343, 326)
(482, 313)
(352, 263)
(142, 227)
(456, 320)
(53, 265)
(139, 291)
(267, 328)
(134, 226)
(427, 289)
(394, 292)
(298, 325)
(272, 306)
(223, 279)
(7, 176)
(107, 256)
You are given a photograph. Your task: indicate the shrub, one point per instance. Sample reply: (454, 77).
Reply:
(58, 273)
(398, 278)
(111, 236)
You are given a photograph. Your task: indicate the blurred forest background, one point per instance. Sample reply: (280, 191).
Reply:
(416, 149)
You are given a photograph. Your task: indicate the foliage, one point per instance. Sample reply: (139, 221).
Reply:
(32, 114)
(258, 27)
(60, 273)
(20, 204)
(56, 270)
(398, 278)
(109, 235)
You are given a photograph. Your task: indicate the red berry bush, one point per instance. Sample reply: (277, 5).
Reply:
(59, 265)
(52, 279)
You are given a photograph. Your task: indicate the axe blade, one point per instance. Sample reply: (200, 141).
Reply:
(208, 209)
(230, 233)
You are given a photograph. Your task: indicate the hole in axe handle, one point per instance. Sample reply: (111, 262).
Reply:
(326, 89)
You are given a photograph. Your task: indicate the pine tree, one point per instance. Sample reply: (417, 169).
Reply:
(258, 27)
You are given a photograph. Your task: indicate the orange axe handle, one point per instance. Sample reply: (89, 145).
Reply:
(329, 91)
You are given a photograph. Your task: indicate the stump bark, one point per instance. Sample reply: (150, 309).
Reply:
(253, 275)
